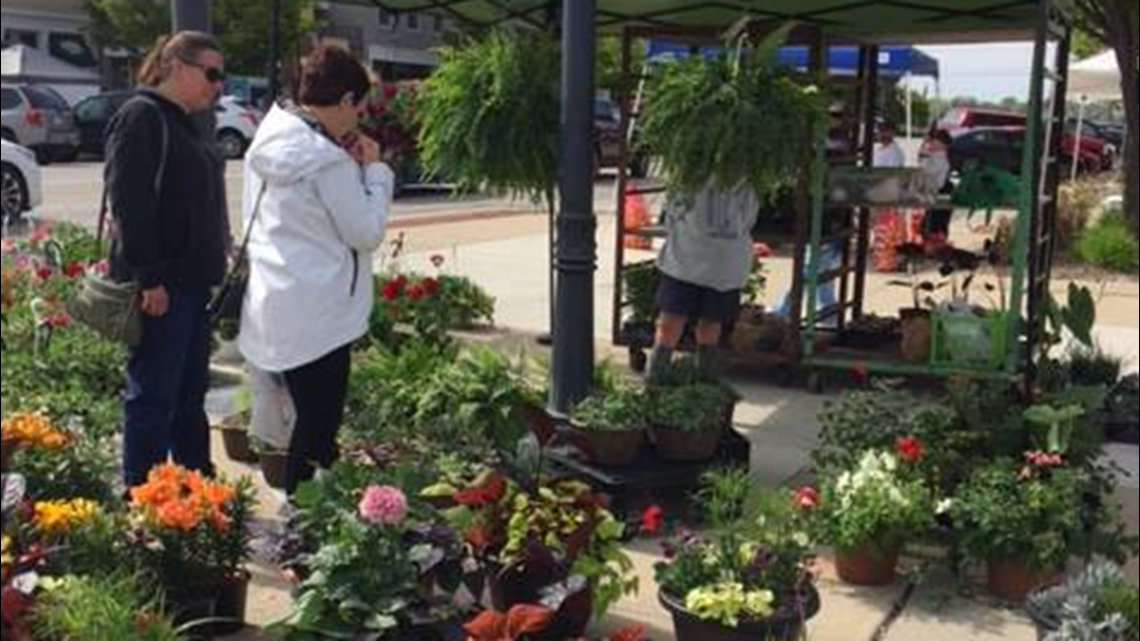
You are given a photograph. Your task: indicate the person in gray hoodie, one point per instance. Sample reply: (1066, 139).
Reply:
(317, 202)
(705, 263)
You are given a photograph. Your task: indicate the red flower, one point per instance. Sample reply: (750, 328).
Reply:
(807, 498)
(417, 292)
(761, 250)
(44, 273)
(74, 269)
(430, 286)
(1044, 460)
(394, 289)
(652, 519)
(490, 490)
(391, 91)
(910, 449)
(58, 321)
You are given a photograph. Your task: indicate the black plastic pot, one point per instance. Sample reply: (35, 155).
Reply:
(788, 624)
(514, 587)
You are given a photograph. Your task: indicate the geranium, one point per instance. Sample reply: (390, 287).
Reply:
(652, 519)
(910, 449)
(74, 269)
(384, 505)
(53, 518)
(393, 290)
(44, 273)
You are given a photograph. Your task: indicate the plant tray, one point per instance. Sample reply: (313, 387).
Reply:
(649, 479)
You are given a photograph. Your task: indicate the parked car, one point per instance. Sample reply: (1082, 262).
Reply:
(20, 182)
(92, 116)
(237, 122)
(40, 119)
(963, 119)
(607, 139)
(1002, 147)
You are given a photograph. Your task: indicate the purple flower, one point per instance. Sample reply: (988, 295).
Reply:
(384, 505)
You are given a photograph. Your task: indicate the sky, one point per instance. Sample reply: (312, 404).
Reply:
(987, 72)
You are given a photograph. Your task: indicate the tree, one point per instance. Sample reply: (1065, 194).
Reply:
(241, 26)
(1116, 23)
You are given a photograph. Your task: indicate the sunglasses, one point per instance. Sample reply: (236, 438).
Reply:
(213, 75)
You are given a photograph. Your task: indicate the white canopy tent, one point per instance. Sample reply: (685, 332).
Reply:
(1095, 79)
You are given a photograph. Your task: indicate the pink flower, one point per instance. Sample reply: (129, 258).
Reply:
(384, 505)
(58, 321)
(7, 247)
(102, 267)
(761, 250)
(807, 498)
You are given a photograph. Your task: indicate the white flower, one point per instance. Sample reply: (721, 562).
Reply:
(944, 507)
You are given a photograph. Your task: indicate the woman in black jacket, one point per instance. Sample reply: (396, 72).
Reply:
(170, 236)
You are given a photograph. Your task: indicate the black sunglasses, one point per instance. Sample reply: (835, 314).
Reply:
(213, 75)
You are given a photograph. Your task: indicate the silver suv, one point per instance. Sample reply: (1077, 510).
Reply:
(40, 119)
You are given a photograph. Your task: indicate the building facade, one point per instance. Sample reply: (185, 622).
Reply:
(398, 46)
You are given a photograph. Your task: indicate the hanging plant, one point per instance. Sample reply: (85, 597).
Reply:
(489, 116)
(736, 118)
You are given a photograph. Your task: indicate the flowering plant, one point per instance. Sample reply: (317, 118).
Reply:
(1033, 512)
(553, 530)
(754, 565)
(25, 429)
(524, 620)
(371, 559)
(190, 531)
(881, 503)
(430, 305)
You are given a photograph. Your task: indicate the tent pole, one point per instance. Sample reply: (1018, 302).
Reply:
(909, 116)
(1080, 135)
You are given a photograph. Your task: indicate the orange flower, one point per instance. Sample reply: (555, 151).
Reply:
(35, 430)
(176, 498)
(178, 515)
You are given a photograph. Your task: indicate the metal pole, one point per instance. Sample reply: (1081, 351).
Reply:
(909, 118)
(1080, 135)
(273, 70)
(573, 361)
(191, 15)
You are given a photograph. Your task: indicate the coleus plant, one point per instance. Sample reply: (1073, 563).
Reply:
(524, 620)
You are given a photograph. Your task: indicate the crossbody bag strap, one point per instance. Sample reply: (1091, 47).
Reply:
(243, 252)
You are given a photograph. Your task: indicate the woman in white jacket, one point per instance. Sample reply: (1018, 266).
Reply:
(317, 200)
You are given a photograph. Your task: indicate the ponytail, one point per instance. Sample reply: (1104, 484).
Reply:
(186, 45)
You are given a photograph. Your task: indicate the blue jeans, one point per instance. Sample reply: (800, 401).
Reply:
(168, 376)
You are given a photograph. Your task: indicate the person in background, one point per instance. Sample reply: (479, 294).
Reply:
(170, 236)
(705, 263)
(317, 201)
(889, 153)
(934, 158)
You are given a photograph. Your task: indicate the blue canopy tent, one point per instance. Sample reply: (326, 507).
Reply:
(894, 62)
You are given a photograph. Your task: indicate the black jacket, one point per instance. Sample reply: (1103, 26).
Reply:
(176, 235)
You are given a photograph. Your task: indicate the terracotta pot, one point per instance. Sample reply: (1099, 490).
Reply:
(788, 624)
(917, 335)
(868, 566)
(687, 447)
(274, 467)
(237, 445)
(1013, 580)
(614, 448)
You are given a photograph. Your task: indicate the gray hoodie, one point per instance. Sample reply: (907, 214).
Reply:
(710, 238)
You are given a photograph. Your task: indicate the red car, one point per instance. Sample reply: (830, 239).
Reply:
(1095, 154)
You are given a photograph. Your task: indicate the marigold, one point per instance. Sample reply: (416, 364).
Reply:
(33, 430)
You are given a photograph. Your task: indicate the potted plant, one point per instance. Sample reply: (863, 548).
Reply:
(689, 420)
(27, 430)
(1096, 605)
(524, 621)
(748, 577)
(193, 535)
(101, 607)
(1024, 521)
(612, 425)
(870, 513)
(235, 430)
(543, 540)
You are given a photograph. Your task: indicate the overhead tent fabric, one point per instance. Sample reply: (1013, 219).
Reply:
(1096, 79)
(894, 62)
(911, 21)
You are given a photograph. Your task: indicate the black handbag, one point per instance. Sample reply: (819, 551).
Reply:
(227, 302)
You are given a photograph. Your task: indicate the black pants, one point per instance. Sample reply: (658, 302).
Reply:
(319, 391)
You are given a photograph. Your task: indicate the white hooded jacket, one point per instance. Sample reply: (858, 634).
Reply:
(310, 251)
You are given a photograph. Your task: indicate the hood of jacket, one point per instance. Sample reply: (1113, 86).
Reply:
(287, 149)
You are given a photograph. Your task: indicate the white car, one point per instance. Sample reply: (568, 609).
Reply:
(21, 191)
(237, 124)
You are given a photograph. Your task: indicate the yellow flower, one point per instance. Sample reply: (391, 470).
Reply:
(6, 556)
(58, 517)
(31, 429)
